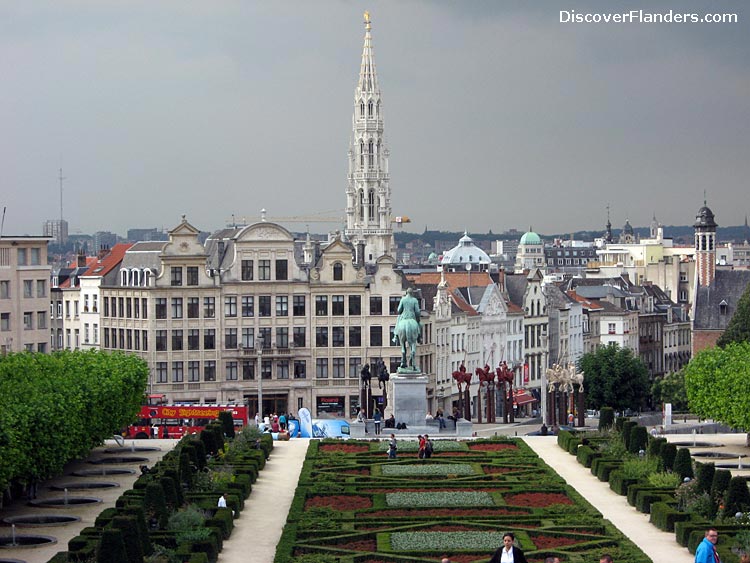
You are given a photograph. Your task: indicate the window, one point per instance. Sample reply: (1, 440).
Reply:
(265, 369)
(321, 336)
(355, 305)
(282, 272)
(209, 339)
(136, 307)
(161, 307)
(176, 279)
(247, 270)
(232, 374)
(193, 307)
(230, 306)
(611, 328)
(194, 373)
(339, 368)
(355, 336)
(161, 341)
(21, 256)
(128, 308)
(28, 288)
(300, 369)
(338, 272)
(28, 320)
(321, 368)
(96, 336)
(177, 340)
(282, 337)
(36, 258)
(354, 363)
(248, 306)
(298, 305)
(337, 336)
(248, 370)
(161, 372)
(209, 370)
(376, 336)
(391, 335)
(209, 307)
(4, 289)
(265, 334)
(264, 305)
(230, 338)
(192, 275)
(376, 305)
(282, 369)
(264, 270)
(194, 339)
(176, 307)
(41, 288)
(337, 305)
(144, 307)
(299, 336)
(393, 305)
(282, 305)
(321, 305)
(41, 319)
(4, 322)
(248, 338)
(177, 372)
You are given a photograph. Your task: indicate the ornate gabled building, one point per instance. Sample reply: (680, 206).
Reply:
(368, 194)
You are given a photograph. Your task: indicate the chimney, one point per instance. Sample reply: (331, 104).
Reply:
(103, 251)
(81, 262)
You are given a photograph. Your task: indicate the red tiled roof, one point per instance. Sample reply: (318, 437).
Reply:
(110, 261)
(583, 301)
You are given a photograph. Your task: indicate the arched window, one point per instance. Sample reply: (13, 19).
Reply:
(136, 277)
(361, 153)
(147, 277)
(371, 205)
(361, 109)
(370, 154)
(338, 271)
(361, 205)
(369, 108)
(123, 277)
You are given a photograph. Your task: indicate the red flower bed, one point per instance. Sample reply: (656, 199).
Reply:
(442, 512)
(435, 490)
(546, 542)
(492, 469)
(362, 471)
(345, 448)
(339, 502)
(537, 500)
(359, 545)
(490, 447)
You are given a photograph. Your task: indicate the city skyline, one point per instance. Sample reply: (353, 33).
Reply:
(154, 111)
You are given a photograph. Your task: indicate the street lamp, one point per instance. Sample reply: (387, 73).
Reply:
(544, 379)
(259, 342)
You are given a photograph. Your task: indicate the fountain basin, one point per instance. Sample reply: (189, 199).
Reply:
(25, 541)
(102, 471)
(62, 502)
(714, 455)
(31, 520)
(83, 485)
(745, 465)
(119, 459)
(691, 444)
(3, 560)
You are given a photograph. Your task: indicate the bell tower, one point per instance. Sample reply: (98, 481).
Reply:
(705, 246)
(368, 194)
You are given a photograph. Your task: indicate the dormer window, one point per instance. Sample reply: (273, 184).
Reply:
(338, 271)
(723, 307)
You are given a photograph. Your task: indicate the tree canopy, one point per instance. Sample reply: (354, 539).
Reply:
(738, 329)
(671, 389)
(614, 377)
(717, 381)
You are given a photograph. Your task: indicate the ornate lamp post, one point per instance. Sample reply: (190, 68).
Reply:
(259, 343)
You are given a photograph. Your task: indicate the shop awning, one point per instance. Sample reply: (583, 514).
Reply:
(521, 398)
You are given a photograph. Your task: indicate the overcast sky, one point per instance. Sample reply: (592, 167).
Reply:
(497, 115)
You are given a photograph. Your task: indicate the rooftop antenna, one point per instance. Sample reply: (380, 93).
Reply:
(2, 223)
(61, 178)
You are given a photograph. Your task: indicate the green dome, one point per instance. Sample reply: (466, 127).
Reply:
(531, 238)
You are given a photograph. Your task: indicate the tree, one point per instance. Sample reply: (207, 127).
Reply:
(716, 381)
(738, 329)
(614, 377)
(671, 389)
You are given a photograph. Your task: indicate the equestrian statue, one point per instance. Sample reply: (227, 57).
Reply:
(408, 332)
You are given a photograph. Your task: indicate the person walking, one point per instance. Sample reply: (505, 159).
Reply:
(428, 447)
(222, 501)
(706, 551)
(508, 553)
(422, 443)
(377, 418)
(392, 447)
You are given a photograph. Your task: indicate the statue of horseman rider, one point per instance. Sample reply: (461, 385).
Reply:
(408, 332)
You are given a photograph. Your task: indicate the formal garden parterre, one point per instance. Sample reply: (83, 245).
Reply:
(354, 505)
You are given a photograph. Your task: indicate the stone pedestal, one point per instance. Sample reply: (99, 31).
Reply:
(464, 429)
(357, 429)
(408, 399)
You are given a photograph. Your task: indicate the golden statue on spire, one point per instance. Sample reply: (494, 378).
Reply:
(367, 20)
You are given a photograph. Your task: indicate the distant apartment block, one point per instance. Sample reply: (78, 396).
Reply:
(57, 229)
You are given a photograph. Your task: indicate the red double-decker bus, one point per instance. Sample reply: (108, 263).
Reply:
(158, 420)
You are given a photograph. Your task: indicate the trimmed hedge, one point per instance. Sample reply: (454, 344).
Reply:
(665, 514)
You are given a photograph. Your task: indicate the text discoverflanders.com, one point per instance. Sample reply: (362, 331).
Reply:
(639, 16)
